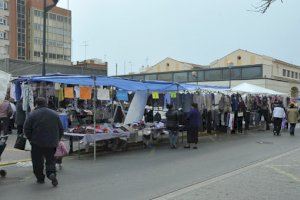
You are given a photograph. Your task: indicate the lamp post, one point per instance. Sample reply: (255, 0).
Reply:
(229, 76)
(46, 9)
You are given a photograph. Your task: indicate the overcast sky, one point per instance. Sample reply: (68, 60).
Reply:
(141, 32)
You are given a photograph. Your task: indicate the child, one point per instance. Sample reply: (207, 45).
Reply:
(61, 151)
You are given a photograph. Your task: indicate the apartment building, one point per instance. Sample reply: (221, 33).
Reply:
(26, 35)
(4, 29)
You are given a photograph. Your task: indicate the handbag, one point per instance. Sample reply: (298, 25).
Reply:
(20, 142)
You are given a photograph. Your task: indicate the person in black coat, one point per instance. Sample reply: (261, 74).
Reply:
(172, 125)
(43, 129)
(20, 116)
(193, 126)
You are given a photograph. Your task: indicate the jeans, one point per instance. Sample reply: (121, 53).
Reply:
(19, 129)
(173, 136)
(38, 156)
(277, 125)
(4, 125)
(292, 128)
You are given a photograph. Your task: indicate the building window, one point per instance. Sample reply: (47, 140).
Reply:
(193, 76)
(138, 77)
(165, 77)
(3, 35)
(168, 64)
(3, 21)
(150, 77)
(213, 75)
(180, 77)
(288, 73)
(296, 75)
(251, 72)
(3, 5)
(284, 72)
(292, 75)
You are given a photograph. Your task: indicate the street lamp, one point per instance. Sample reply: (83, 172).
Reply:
(46, 9)
(195, 76)
(229, 76)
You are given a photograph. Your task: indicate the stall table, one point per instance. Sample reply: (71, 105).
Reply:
(91, 138)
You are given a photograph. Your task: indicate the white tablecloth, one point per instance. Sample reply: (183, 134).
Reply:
(90, 138)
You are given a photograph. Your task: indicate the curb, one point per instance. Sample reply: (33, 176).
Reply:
(13, 162)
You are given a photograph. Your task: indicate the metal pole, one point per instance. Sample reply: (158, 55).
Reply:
(44, 39)
(229, 77)
(94, 116)
(116, 69)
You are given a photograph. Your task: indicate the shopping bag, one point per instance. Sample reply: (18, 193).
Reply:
(27, 146)
(20, 142)
(61, 150)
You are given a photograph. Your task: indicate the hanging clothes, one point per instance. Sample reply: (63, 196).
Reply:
(28, 101)
(12, 93)
(187, 102)
(85, 93)
(122, 95)
(56, 86)
(60, 94)
(69, 92)
(167, 99)
(77, 91)
(103, 94)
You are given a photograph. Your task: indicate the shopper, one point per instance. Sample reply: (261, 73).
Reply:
(20, 116)
(172, 125)
(193, 126)
(292, 117)
(13, 115)
(44, 130)
(278, 116)
(5, 114)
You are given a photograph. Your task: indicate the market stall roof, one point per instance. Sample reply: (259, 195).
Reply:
(120, 83)
(254, 89)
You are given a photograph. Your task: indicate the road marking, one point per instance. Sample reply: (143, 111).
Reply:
(199, 185)
(282, 172)
(13, 162)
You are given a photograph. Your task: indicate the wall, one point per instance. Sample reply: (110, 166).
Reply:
(174, 65)
(246, 58)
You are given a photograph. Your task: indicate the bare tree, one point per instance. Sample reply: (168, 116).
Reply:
(265, 5)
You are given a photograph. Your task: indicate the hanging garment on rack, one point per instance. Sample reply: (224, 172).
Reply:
(28, 101)
(12, 93)
(231, 121)
(209, 121)
(103, 94)
(60, 94)
(222, 103)
(208, 101)
(50, 91)
(69, 92)
(167, 99)
(56, 86)
(85, 93)
(187, 102)
(77, 91)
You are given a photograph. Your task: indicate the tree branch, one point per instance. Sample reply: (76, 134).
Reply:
(265, 5)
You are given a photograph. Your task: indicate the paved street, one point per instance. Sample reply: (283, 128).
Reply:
(252, 166)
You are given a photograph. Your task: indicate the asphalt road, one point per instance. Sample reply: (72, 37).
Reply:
(252, 166)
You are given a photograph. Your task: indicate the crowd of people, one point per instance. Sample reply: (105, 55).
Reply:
(280, 117)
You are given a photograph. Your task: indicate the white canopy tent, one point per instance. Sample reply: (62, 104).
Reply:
(254, 89)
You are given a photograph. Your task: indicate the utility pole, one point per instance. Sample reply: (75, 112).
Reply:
(46, 10)
(85, 45)
(116, 69)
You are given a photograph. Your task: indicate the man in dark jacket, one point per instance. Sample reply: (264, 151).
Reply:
(172, 125)
(43, 129)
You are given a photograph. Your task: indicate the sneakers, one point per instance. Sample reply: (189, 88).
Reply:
(53, 179)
